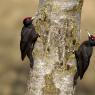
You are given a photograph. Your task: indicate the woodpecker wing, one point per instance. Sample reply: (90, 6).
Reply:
(86, 54)
(79, 62)
(28, 39)
(25, 40)
(23, 47)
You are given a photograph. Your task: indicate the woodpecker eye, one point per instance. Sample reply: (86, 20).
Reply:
(92, 38)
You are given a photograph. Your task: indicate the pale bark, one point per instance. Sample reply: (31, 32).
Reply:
(58, 23)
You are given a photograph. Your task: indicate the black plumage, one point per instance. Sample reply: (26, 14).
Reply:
(83, 55)
(28, 39)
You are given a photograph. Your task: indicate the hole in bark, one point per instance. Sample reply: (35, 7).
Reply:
(48, 49)
(61, 64)
(74, 42)
(68, 67)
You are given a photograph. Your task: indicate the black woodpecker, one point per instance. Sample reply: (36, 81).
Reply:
(83, 55)
(28, 39)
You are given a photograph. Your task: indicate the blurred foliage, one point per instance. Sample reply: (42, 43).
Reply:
(14, 74)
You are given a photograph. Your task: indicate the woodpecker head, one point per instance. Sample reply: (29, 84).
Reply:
(91, 39)
(28, 21)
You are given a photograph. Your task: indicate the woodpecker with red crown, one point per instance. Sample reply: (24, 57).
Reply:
(28, 39)
(83, 55)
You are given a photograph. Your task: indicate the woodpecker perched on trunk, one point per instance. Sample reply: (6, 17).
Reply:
(28, 39)
(83, 55)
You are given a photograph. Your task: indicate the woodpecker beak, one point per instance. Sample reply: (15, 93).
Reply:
(89, 34)
(33, 17)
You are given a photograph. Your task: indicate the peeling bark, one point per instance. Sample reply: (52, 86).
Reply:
(58, 23)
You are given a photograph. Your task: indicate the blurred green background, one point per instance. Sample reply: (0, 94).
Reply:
(14, 74)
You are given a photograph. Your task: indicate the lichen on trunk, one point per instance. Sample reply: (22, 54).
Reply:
(58, 23)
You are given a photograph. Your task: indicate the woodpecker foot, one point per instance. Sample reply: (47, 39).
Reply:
(75, 82)
(31, 66)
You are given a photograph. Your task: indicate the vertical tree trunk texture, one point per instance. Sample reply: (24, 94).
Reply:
(58, 23)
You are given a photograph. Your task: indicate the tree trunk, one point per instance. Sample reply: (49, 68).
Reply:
(58, 23)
